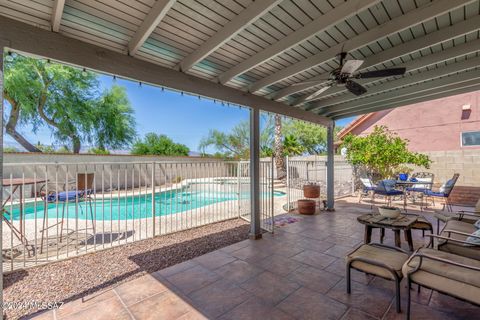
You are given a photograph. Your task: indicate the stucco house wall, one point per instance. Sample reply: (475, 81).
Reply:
(434, 128)
(430, 126)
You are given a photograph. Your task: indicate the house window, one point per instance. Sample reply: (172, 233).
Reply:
(471, 138)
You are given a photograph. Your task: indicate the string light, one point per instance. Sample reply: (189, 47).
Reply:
(84, 72)
(163, 89)
(114, 78)
(9, 57)
(139, 83)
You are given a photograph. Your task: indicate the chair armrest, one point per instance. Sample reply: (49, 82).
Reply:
(427, 256)
(462, 233)
(469, 213)
(449, 239)
(375, 244)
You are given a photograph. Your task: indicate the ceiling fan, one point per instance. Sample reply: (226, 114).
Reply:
(343, 75)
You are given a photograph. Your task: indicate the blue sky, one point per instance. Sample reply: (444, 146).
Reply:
(184, 118)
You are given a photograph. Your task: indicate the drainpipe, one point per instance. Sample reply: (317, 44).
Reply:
(330, 168)
(255, 232)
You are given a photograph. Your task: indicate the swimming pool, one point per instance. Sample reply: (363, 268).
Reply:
(137, 206)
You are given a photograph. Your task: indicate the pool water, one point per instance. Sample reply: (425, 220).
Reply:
(129, 207)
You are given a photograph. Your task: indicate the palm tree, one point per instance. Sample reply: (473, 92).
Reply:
(278, 149)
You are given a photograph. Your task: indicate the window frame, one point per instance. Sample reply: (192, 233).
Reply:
(468, 146)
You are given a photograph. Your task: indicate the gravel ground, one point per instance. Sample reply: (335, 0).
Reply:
(72, 279)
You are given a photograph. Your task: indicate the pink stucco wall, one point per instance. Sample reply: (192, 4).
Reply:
(430, 126)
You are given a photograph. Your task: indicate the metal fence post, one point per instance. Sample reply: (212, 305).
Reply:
(238, 189)
(153, 199)
(288, 183)
(272, 196)
(1, 174)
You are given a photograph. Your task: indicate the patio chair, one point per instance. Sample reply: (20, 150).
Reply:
(453, 239)
(447, 273)
(387, 189)
(79, 190)
(368, 188)
(443, 192)
(469, 216)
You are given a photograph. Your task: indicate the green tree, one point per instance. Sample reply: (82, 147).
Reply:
(382, 153)
(312, 137)
(66, 100)
(236, 143)
(154, 144)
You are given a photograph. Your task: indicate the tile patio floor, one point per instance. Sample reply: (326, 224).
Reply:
(298, 273)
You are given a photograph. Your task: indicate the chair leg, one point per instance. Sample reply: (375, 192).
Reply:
(423, 233)
(348, 280)
(438, 226)
(397, 296)
(409, 287)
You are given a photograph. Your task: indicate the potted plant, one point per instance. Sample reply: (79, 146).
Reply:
(311, 190)
(306, 206)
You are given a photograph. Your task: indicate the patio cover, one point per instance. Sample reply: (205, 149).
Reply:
(256, 53)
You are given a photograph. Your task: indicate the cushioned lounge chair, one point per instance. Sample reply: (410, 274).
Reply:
(470, 216)
(444, 272)
(453, 239)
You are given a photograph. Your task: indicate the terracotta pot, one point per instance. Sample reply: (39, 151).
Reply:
(311, 191)
(306, 206)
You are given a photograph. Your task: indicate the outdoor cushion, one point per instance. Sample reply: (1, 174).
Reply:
(445, 216)
(457, 281)
(456, 247)
(477, 224)
(447, 186)
(422, 224)
(68, 195)
(435, 194)
(392, 258)
(474, 238)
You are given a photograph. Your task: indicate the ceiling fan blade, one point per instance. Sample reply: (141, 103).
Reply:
(351, 66)
(310, 82)
(355, 88)
(382, 73)
(317, 93)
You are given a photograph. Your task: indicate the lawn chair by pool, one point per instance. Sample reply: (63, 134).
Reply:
(443, 192)
(75, 191)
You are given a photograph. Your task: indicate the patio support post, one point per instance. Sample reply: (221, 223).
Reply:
(2, 45)
(255, 232)
(330, 167)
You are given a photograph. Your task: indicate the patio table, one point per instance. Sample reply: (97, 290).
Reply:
(406, 184)
(403, 222)
(16, 185)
